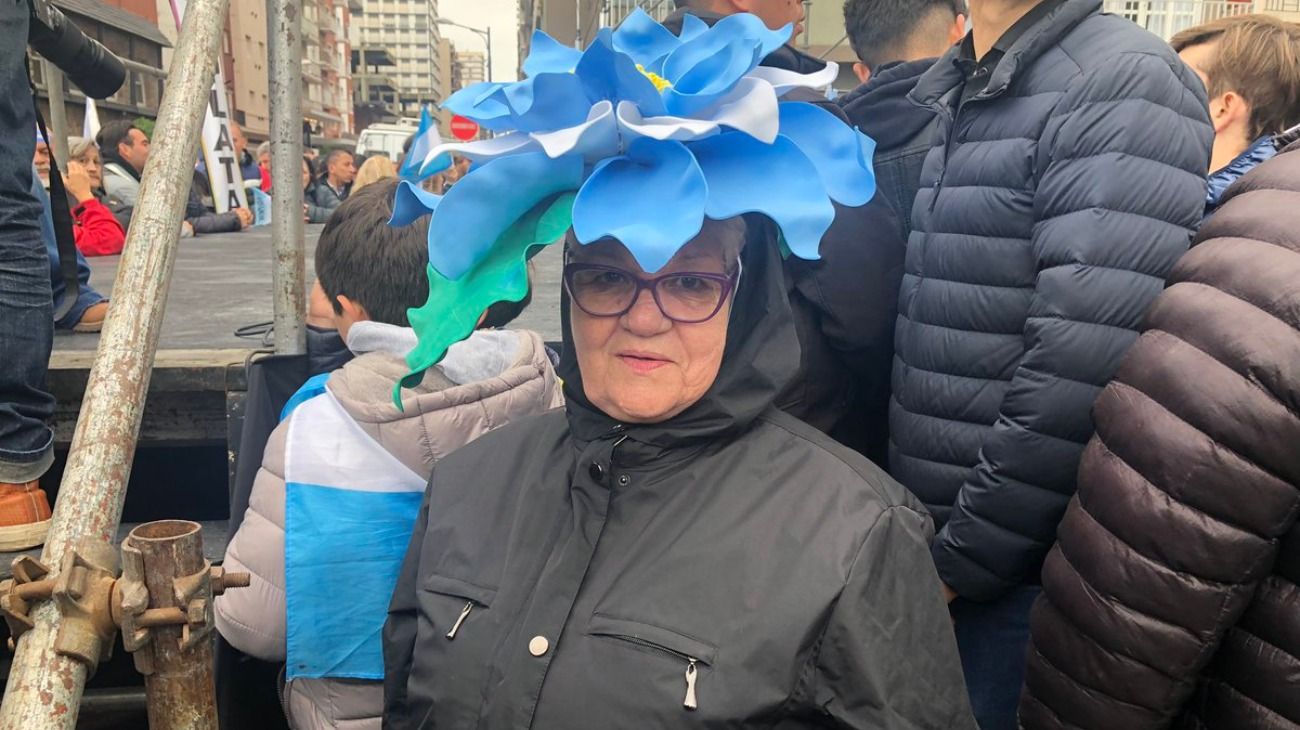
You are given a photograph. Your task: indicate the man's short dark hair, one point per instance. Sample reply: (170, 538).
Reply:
(881, 30)
(379, 267)
(114, 133)
(334, 155)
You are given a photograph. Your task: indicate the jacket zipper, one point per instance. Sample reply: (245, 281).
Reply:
(464, 614)
(691, 701)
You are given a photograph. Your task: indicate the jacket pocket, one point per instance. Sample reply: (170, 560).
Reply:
(474, 597)
(691, 652)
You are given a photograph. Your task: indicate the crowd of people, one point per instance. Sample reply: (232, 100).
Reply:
(1015, 449)
(1047, 169)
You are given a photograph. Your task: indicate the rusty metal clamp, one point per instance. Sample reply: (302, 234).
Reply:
(192, 592)
(29, 583)
(82, 590)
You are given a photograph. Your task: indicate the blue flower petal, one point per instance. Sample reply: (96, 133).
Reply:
(488, 201)
(609, 75)
(651, 200)
(478, 103)
(709, 65)
(410, 203)
(545, 102)
(835, 148)
(547, 55)
(790, 193)
(646, 41)
(692, 27)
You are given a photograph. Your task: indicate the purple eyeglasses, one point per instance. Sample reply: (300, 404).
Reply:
(687, 297)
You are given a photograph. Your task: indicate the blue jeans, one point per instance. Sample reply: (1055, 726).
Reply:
(86, 296)
(992, 639)
(26, 312)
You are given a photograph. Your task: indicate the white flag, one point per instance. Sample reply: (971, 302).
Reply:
(223, 170)
(90, 124)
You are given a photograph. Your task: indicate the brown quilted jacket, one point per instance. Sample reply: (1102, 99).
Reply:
(1171, 598)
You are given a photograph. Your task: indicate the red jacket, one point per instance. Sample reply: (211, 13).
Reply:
(96, 231)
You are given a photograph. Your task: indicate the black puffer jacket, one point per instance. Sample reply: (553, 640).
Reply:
(599, 571)
(844, 304)
(1173, 595)
(903, 132)
(1044, 228)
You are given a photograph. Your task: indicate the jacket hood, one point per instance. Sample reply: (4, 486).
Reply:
(945, 75)
(786, 57)
(880, 107)
(487, 380)
(761, 356)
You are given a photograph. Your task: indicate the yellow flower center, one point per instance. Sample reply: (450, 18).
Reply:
(660, 82)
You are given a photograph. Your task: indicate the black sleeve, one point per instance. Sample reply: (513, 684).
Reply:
(888, 659)
(400, 629)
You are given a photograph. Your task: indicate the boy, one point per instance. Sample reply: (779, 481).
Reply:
(1251, 66)
(342, 476)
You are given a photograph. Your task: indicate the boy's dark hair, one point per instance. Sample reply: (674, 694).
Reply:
(112, 134)
(881, 30)
(379, 267)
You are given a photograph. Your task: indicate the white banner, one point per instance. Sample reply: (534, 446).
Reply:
(218, 152)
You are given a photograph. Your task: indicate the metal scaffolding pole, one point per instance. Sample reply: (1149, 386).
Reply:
(283, 19)
(45, 687)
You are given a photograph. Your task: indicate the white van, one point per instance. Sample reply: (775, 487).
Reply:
(386, 139)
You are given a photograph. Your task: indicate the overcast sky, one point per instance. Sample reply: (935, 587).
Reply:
(502, 16)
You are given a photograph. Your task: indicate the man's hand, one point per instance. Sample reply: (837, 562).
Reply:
(77, 181)
(245, 217)
(949, 595)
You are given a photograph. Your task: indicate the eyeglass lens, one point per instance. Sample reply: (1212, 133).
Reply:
(684, 297)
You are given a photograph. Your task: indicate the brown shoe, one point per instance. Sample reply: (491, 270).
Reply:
(93, 318)
(24, 516)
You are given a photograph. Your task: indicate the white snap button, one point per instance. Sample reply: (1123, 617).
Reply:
(538, 645)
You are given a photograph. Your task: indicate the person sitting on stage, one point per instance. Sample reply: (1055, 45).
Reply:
(100, 221)
(348, 461)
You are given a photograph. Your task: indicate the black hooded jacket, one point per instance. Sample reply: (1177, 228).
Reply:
(844, 304)
(902, 130)
(570, 572)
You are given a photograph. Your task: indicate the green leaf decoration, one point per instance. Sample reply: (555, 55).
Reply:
(454, 306)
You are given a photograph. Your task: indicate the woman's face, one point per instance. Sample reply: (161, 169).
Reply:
(306, 175)
(641, 366)
(90, 160)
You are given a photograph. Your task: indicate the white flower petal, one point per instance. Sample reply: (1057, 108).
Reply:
(484, 149)
(751, 108)
(678, 129)
(596, 138)
(783, 81)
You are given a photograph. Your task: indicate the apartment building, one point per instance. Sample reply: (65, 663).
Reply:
(407, 29)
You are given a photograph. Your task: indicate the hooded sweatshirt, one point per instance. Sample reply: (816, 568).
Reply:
(484, 382)
(728, 567)
(903, 131)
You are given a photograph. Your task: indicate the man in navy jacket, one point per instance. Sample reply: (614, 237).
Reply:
(1068, 176)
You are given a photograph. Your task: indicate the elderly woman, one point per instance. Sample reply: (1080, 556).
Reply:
(670, 550)
(100, 220)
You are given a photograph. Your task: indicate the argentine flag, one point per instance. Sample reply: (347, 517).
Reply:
(426, 139)
(349, 510)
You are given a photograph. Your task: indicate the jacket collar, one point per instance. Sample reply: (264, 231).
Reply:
(1223, 178)
(1033, 41)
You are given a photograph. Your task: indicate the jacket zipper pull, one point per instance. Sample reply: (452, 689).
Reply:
(464, 614)
(690, 702)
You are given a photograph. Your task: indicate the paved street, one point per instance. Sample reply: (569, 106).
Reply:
(223, 282)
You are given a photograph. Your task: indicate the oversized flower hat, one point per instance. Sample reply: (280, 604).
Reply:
(639, 138)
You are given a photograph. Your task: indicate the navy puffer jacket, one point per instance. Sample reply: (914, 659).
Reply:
(1042, 231)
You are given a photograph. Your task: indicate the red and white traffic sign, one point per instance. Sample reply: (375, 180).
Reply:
(463, 129)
